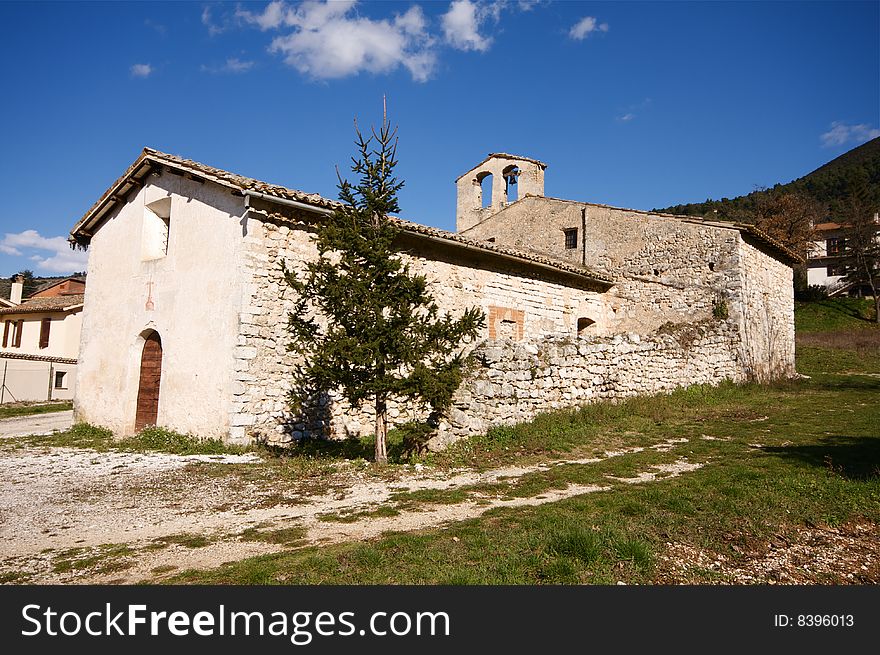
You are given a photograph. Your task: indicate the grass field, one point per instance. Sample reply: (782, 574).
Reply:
(782, 466)
(30, 409)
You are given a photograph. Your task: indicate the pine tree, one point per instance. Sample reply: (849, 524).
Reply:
(363, 323)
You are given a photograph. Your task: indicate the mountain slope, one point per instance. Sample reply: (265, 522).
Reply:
(854, 172)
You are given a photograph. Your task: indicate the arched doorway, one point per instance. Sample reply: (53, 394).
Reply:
(148, 387)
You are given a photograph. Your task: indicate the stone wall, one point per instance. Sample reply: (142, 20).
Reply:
(667, 270)
(470, 200)
(764, 308)
(515, 382)
(517, 302)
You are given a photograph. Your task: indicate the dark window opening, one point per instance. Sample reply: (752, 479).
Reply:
(16, 340)
(45, 326)
(511, 177)
(835, 246)
(583, 324)
(835, 270)
(6, 327)
(571, 238)
(711, 266)
(60, 379)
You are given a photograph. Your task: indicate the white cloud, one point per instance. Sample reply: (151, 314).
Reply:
(841, 133)
(61, 258)
(586, 26)
(232, 65)
(633, 111)
(330, 41)
(141, 70)
(214, 28)
(160, 29)
(462, 24)
(273, 16)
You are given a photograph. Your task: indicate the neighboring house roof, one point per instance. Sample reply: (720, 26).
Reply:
(824, 227)
(55, 283)
(52, 304)
(502, 155)
(150, 159)
(37, 358)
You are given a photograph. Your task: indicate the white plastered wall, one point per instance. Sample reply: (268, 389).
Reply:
(190, 297)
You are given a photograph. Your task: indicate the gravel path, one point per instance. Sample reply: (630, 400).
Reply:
(56, 499)
(21, 426)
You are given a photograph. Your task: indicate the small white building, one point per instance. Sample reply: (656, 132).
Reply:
(826, 263)
(38, 353)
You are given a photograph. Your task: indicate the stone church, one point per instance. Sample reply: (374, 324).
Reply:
(184, 318)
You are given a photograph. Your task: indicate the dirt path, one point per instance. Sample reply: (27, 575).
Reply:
(39, 424)
(58, 499)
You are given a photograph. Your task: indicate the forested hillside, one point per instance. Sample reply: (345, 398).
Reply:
(856, 172)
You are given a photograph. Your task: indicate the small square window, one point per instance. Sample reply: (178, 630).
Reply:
(571, 238)
(835, 246)
(60, 379)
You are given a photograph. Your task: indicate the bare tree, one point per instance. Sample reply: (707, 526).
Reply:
(791, 219)
(862, 247)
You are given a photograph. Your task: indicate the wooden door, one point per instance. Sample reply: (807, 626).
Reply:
(148, 388)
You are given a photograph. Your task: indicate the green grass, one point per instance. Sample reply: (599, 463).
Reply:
(834, 314)
(107, 558)
(31, 409)
(150, 439)
(784, 456)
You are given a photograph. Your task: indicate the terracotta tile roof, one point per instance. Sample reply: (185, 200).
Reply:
(52, 283)
(52, 304)
(38, 358)
(151, 158)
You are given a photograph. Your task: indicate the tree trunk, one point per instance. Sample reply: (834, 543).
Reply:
(381, 429)
(869, 273)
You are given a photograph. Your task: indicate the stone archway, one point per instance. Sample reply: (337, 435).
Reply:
(148, 386)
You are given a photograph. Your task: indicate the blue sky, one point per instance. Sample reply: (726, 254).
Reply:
(632, 104)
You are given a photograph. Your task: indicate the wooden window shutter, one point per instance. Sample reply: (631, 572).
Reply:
(45, 326)
(17, 341)
(6, 333)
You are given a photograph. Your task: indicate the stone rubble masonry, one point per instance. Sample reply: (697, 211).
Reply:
(530, 358)
(690, 303)
(469, 207)
(516, 381)
(263, 364)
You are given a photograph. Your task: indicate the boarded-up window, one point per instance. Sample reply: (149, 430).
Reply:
(6, 327)
(45, 326)
(506, 323)
(16, 342)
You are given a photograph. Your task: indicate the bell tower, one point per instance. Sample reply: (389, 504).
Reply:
(493, 184)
